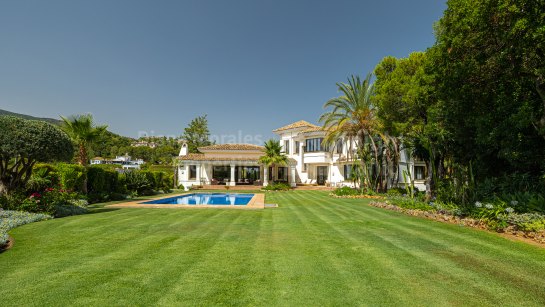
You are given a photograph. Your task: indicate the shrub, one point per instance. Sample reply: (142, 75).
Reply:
(43, 176)
(345, 191)
(10, 219)
(103, 180)
(52, 201)
(396, 191)
(410, 203)
(138, 182)
(72, 176)
(277, 186)
(527, 221)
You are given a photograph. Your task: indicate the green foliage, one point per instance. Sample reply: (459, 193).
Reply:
(273, 154)
(139, 182)
(83, 132)
(196, 134)
(72, 177)
(488, 66)
(346, 191)
(103, 180)
(109, 145)
(410, 203)
(277, 186)
(23, 143)
(528, 222)
(43, 176)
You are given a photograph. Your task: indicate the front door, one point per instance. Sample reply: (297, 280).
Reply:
(321, 172)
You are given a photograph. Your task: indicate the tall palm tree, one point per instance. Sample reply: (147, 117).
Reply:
(83, 132)
(273, 155)
(353, 116)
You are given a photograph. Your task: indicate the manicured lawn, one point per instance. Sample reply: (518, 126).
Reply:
(312, 250)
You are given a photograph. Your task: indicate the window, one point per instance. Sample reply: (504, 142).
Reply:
(287, 147)
(271, 173)
(296, 147)
(348, 171)
(314, 145)
(339, 146)
(193, 172)
(305, 167)
(419, 172)
(282, 174)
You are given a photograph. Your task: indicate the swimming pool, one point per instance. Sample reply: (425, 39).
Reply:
(226, 199)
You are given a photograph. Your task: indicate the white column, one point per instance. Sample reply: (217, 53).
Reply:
(232, 181)
(265, 175)
(292, 176)
(198, 177)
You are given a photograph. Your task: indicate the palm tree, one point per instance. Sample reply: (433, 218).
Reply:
(353, 116)
(83, 132)
(273, 156)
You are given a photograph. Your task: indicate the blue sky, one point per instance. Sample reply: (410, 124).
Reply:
(152, 66)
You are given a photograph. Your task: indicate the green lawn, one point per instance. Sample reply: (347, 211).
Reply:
(312, 250)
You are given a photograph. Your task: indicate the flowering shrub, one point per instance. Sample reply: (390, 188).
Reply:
(10, 219)
(52, 201)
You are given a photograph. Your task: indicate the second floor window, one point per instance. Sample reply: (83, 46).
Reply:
(296, 147)
(314, 145)
(339, 146)
(287, 147)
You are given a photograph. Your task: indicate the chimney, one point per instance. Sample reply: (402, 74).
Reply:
(183, 151)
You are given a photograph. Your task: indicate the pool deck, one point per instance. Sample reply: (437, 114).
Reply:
(257, 202)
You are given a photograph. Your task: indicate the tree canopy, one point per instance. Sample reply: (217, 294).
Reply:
(83, 132)
(196, 134)
(25, 142)
(489, 65)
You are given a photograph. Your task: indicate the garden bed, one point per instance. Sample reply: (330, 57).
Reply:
(357, 196)
(510, 231)
(10, 219)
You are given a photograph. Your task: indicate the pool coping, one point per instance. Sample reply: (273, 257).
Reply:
(256, 203)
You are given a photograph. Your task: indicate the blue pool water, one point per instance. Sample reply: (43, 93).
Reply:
(205, 199)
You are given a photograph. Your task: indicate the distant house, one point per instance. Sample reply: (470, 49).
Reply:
(125, 161)
(144, 144)
(309, 162)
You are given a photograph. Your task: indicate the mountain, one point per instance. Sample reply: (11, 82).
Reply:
(45, 119)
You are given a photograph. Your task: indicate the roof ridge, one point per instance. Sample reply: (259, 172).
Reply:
(297, 124)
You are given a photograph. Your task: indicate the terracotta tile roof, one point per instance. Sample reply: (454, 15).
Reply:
(313, 129)
(202, 157)
(299, 124)
(233, 147)
(98, 158)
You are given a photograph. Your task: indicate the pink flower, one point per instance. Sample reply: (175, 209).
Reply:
(36, 194)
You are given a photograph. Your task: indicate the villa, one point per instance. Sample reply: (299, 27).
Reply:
(310, 162)
(125, 161)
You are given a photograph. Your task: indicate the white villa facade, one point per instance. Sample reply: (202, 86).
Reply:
(309, 162)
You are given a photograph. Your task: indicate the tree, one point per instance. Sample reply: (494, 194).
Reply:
(405, 98)
(83, 132)
(273, 155)
(196, 134)
(25, 142)
(489, 67)
(353, 116)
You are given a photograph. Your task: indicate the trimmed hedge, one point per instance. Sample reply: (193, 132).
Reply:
(72, 176)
